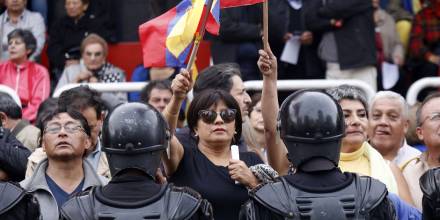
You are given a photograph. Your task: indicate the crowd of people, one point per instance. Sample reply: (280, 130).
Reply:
(225, 153)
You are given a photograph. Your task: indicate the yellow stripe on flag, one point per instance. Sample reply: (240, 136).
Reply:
(183, 32)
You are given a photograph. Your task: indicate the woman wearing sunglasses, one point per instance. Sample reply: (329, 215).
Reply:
(214, 118)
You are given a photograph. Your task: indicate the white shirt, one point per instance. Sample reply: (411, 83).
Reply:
(405, 154)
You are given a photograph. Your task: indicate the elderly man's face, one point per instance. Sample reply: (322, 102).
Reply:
(15, 5)
(387, 125)
(429, 130)
(64, 138)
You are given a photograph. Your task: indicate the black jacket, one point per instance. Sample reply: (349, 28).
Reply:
(238, 25)
(65, 34)
(355, 40)
(13, 156)
(16, 204)
(283, 19)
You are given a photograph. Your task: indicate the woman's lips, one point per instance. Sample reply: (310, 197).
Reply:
(219, 129)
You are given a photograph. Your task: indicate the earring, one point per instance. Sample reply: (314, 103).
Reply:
(196, 135)
(235, 132)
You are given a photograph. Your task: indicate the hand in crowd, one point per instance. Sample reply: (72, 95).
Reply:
(241, 173)
(93, 79)
(182, 84)
(306, 38)
(434, 59)
(3, 175)
(398, 60)
(267, 63)
(160, 178)
(83, 76)
(287, 36)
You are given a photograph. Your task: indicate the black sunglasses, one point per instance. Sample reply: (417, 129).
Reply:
(209, 116)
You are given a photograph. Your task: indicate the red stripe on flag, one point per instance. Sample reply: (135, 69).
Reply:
(152, 35)
(236, 3)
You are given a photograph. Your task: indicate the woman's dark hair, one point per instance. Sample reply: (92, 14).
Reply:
(80, 98)
(255, 98)
(45, 108)
(55, 112)
(218, 76)
(208, 98)
(28, 38)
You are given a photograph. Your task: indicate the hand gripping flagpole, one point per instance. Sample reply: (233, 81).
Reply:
(199, 35)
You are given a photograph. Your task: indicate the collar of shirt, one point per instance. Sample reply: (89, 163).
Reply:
(295, 4)
(95, 155)
(7, 19)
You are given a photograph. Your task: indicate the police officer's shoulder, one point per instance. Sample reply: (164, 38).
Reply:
(371, 192)
(11, 194)
(273, 195)
(79, 206)
(185, 190)
(429, 183)
(188, 202)
(253, 191)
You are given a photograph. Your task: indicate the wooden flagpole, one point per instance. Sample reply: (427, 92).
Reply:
(199, 36)
(265, 24)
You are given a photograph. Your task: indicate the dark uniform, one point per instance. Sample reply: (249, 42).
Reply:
(311, 125)
(16, 203)
(135, 136)
(430, 185)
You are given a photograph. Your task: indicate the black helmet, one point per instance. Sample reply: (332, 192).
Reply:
(430, 186)
(134, 136)
(311, 124)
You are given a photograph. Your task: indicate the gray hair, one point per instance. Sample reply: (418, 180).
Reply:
(28, 38)
(419, 110)
(348, 92)
(394, 96)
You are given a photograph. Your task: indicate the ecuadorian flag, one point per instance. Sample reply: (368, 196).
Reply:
(167, 39)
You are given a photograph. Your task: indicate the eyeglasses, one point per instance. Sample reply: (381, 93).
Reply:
(435, 116)
(70, 128)
(209, 116)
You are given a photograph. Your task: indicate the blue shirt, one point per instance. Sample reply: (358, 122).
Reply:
(60, 195)
(94, 156)
(403, 209)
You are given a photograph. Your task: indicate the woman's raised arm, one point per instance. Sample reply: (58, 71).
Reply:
(181, 85)
(276, 150)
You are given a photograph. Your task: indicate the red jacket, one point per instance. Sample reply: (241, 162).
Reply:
(30, 81)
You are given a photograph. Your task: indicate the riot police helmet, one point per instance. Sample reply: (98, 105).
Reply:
(134, 136)
(311, 125)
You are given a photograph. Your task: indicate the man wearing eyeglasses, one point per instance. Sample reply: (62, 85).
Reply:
(65, 138)
(88, 102)
(428, 131)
